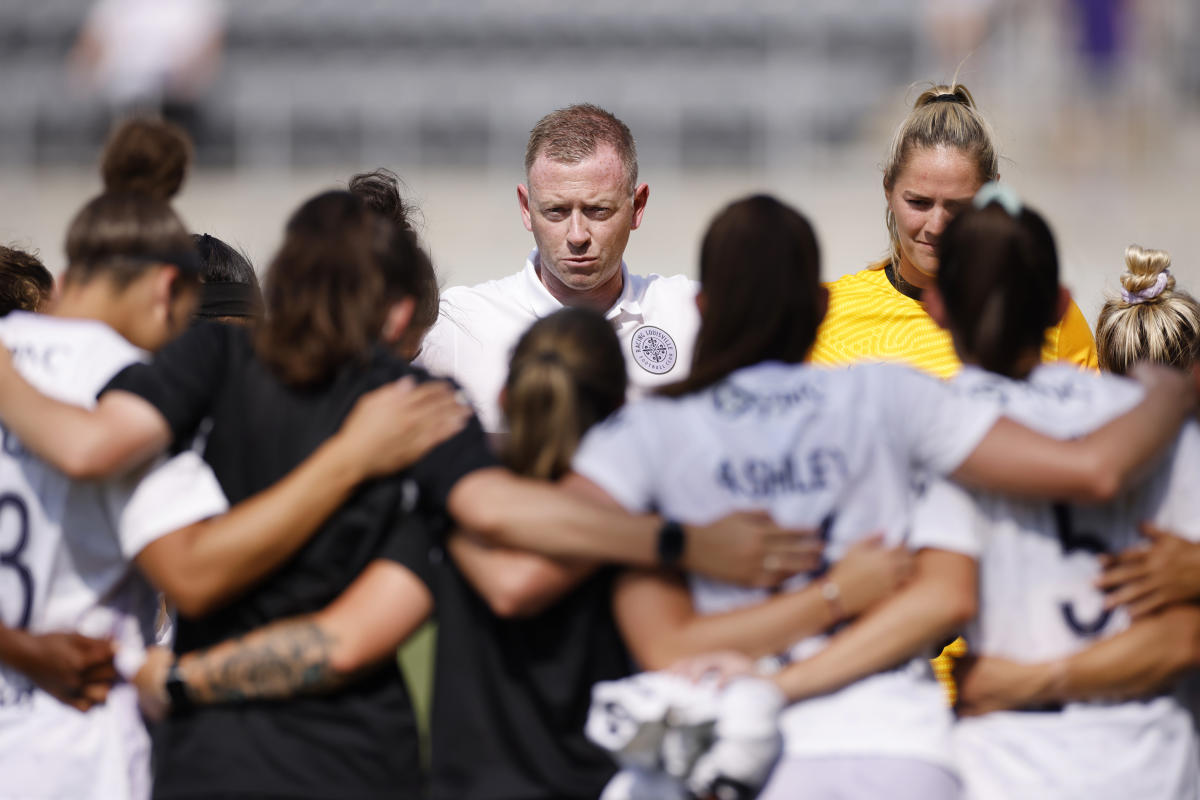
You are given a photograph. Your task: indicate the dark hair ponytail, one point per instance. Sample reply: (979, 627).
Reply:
(998, 276)
(760, 274)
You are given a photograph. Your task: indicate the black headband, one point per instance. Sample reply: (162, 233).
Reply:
(229, 300)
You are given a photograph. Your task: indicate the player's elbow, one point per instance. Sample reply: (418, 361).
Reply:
(190, 598)
(1186, 620)
(1105, 483)
(517, 592)
(960, 608)
(950, 609)
(84, 463)
(476, 502)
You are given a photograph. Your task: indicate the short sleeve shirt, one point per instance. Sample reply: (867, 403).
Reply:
(869, 320)
(1038, 560)
(67, 547)
(655, 319)
(359, 740)
(814, 447)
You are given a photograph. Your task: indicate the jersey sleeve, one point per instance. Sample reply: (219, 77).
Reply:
(443, 467)
(1071, 341)
(411, 540)
(174, 493)
(1179, 511)
(618, 458)
(938, 426)
(948, 517)
(184, 377)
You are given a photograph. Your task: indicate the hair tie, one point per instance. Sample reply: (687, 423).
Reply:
(1149, 293)
(229, 300)
(946, 98)
(549, 357)
(1002, 195)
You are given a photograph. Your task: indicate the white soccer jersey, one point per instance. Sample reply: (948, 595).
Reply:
(65, 551)
(1037, 603)
(811, 446)
(655, 319)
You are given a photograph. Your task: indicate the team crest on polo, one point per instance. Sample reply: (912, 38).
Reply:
(653, 349)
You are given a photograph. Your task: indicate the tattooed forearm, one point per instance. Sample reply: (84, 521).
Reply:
(285, 659)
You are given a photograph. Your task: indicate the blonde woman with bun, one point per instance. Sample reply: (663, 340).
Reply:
(940, 156)
(1151, 320)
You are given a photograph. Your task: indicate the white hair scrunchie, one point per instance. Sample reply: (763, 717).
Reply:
(996, 192)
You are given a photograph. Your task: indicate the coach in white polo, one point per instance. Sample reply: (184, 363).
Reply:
(580, 200)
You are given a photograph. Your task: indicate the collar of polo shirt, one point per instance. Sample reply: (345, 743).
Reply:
(543, 303)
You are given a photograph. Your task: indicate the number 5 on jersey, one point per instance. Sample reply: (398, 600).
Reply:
(1073, 541)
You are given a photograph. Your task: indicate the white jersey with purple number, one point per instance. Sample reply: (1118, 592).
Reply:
(814, 447)
(65, 552)
(1037, 565)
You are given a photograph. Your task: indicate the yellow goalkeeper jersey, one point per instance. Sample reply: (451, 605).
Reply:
(869, 320)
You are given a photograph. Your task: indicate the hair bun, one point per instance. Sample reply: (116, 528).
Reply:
(946, 94)
(147, 156)
(379, 189)
(1143, 269)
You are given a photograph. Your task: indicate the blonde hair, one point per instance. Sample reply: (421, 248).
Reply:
(942, 116)
(566, 374)
(1164, 328)
(573, 134)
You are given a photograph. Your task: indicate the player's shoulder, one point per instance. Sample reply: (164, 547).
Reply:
(1110, 393)
(872, 377)
(869, 280)
(87, 344)
(1058, 399)
(653, 281)
(463, 307)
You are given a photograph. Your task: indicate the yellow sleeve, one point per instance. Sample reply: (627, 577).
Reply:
(1071, 340)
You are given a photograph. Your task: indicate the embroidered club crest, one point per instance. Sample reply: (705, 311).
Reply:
(653, 349)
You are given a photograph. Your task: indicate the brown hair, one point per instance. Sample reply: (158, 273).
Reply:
(998, 276)
(572, 134)
(566, 374)
(942, 116)
(146, 155)
(25, 283)
(329, 287)
(1164, 328)
(380, 191)
(121, 234)
(760, 275)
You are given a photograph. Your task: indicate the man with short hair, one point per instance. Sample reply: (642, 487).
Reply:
(581, 198)
(514, 691)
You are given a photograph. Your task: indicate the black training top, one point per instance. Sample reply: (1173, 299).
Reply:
(359, 741)
(511, 695)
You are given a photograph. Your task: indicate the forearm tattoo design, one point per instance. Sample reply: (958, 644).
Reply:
(286, 659)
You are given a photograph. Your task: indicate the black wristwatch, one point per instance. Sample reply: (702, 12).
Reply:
(177, 688)
(671, 541)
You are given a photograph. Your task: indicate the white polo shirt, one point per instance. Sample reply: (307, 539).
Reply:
(65, 552)
(655, 318)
